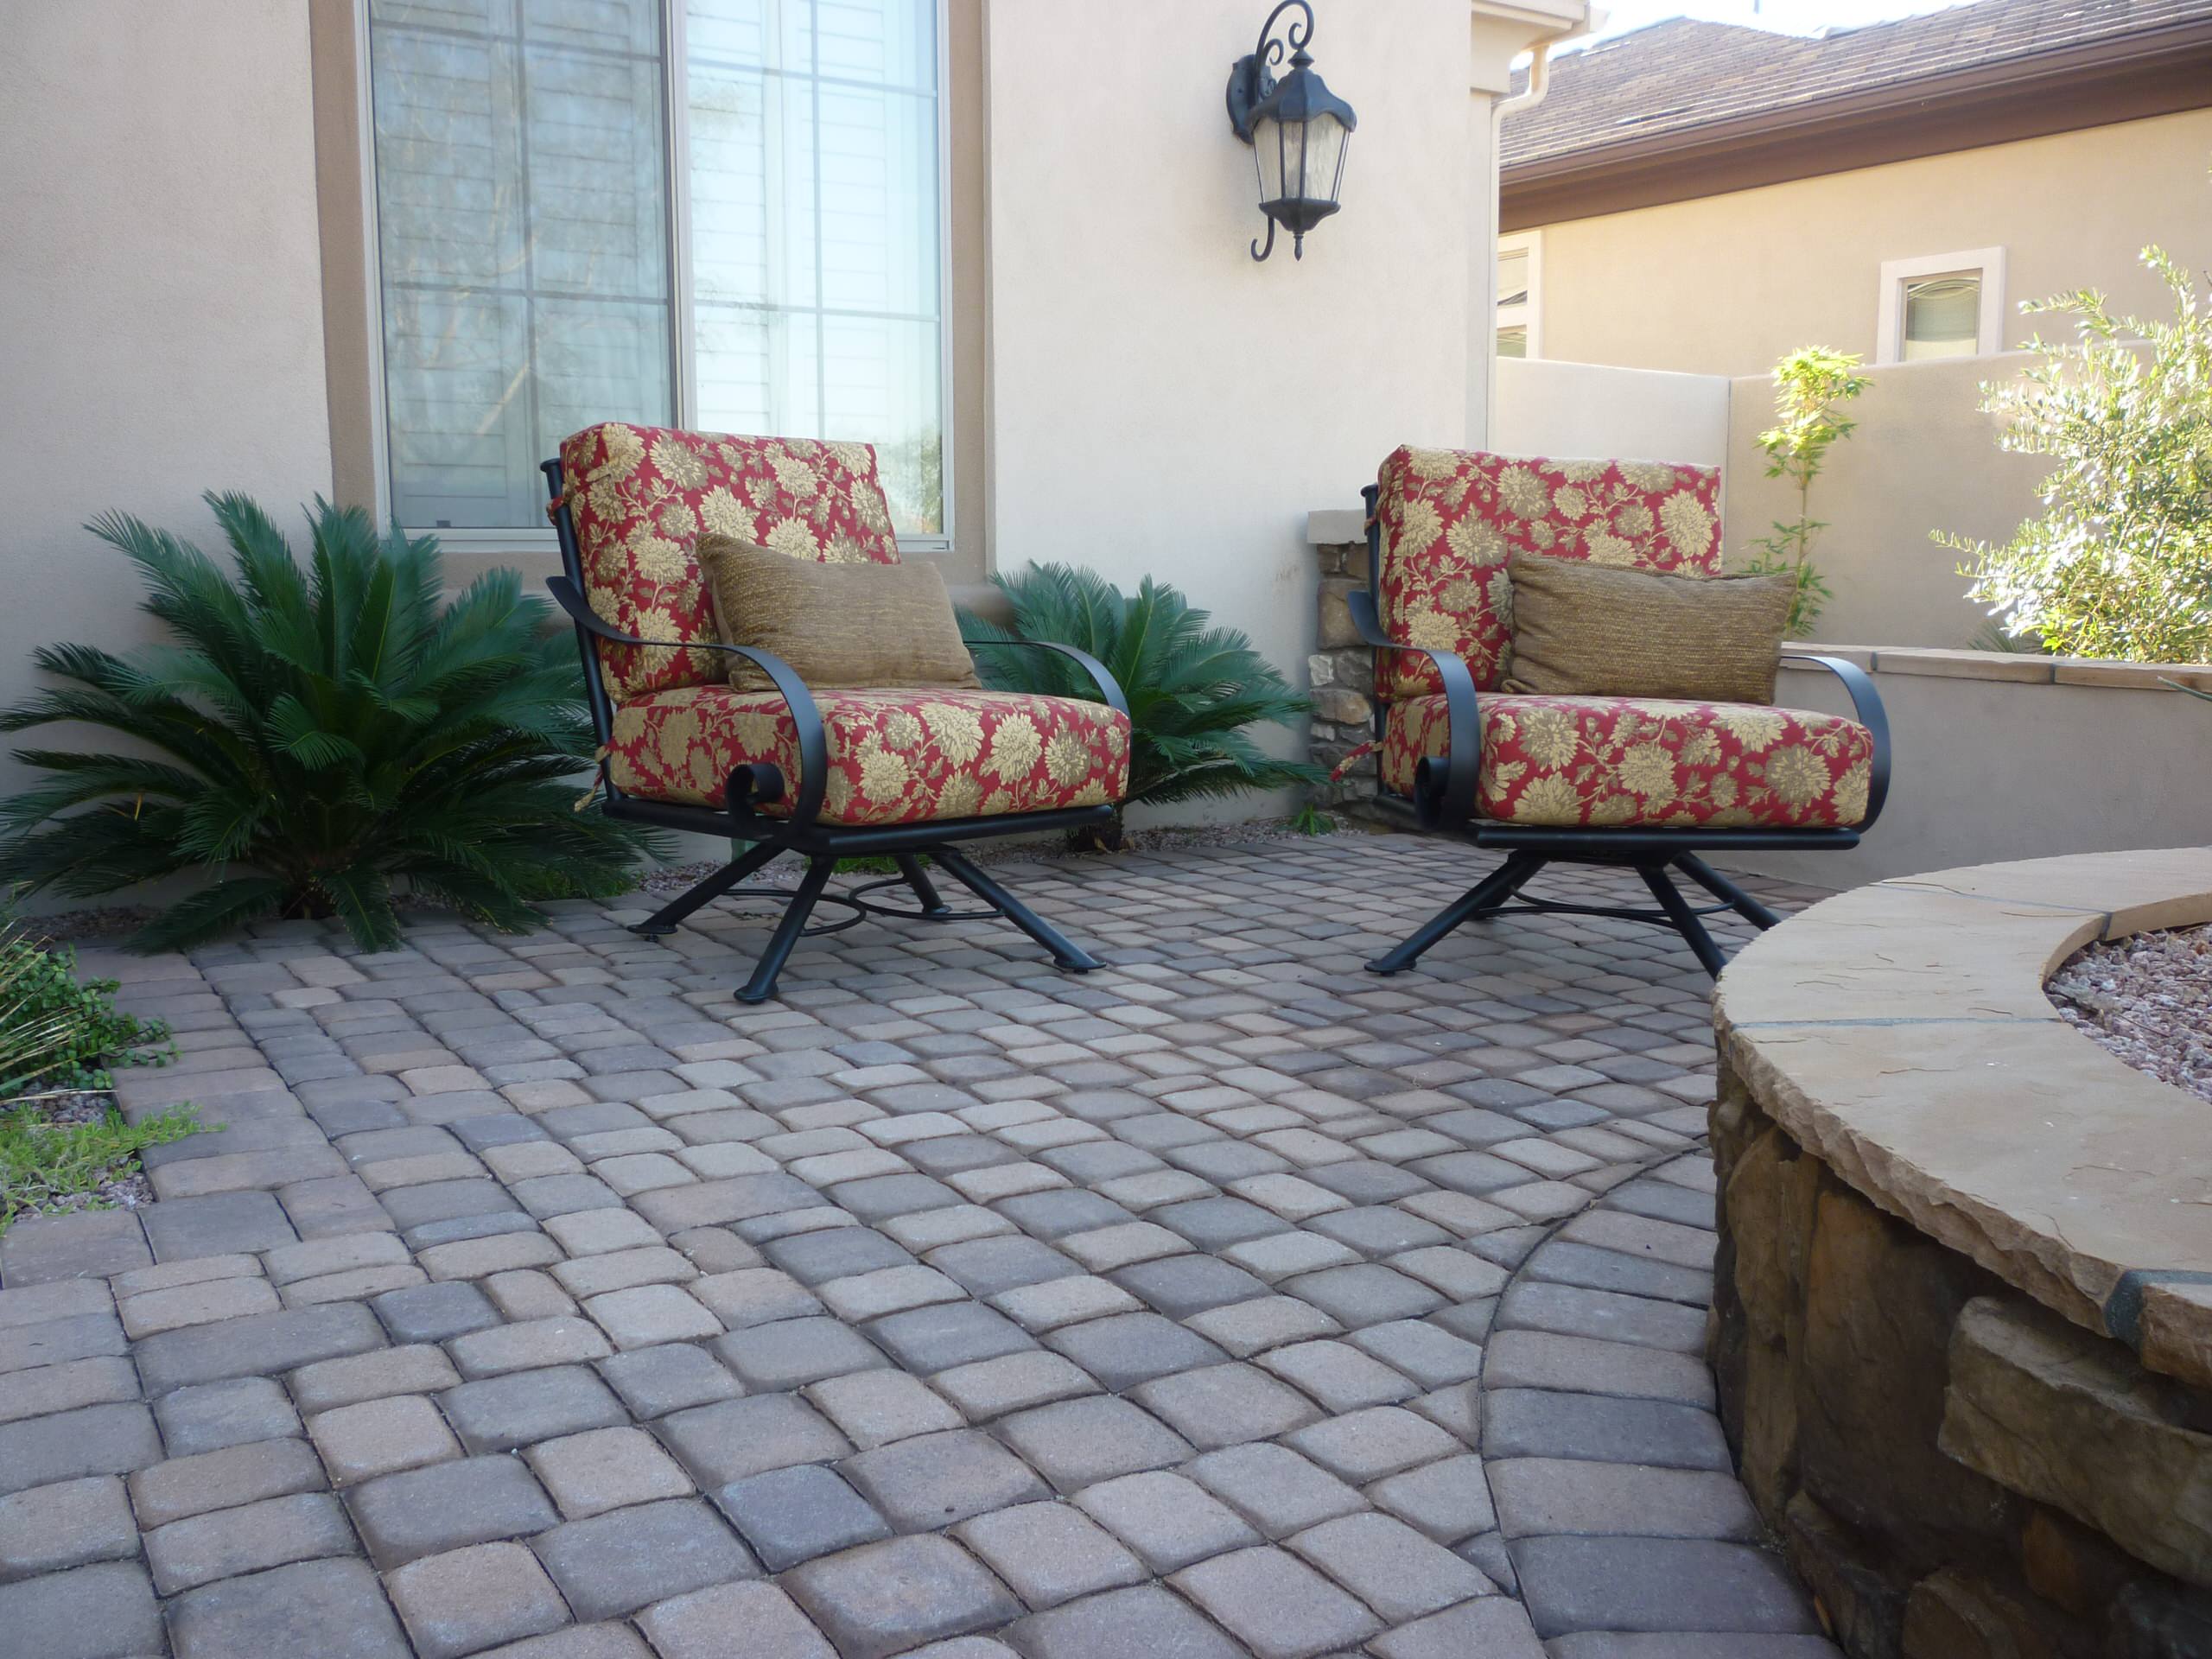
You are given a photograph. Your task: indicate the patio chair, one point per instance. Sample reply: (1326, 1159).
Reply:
(1629, 783)
(825, 773)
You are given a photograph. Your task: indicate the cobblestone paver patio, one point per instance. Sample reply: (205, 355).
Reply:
(535, 1299)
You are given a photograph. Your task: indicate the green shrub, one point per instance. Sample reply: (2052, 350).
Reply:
(2119, 564)
(47, 1167)
(319, 733)
(1810, 386)
(58, 1036)
(1193, 690)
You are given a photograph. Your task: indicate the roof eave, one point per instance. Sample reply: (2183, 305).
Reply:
(2153, 71)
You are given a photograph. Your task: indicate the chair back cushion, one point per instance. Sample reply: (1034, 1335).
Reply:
(1451, 518)
(1585, 630)
(641, 496)
(836, 625)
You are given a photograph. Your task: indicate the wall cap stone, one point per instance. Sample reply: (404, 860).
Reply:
(1336, 526)
(2007, 667)
(1900, 1033)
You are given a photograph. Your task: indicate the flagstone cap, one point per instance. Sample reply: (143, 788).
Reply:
(1901, 1033)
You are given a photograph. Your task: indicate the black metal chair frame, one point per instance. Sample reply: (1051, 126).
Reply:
(800, 831)
(1443, 802)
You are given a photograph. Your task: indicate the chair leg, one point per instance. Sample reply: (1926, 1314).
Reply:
(1065, 955)
(1726, 890)
(663, 921)
(762, 985)
(1687, 922)
(1481, 899)
(919, 879)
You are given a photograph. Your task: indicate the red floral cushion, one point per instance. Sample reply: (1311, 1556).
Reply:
(898, 756)
(642, 495)
(1625, 760)
(1452, 518)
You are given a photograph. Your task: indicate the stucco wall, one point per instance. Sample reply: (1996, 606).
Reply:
(1989, 769)
(1161, 404)
(1584, 410)
(1923, 458)
(1728, 284)
(161, 323)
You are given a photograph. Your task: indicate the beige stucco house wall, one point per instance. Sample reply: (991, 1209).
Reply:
(161, 315)
(1161, 404)
(1726, 284)
(184, 287)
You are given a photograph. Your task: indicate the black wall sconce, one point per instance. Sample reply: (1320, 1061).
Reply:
(1299, 130)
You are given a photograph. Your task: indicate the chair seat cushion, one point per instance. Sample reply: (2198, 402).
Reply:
(1623, 761)
(897, 754)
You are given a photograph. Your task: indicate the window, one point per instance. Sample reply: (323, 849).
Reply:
(1519, 262)
(1946, 305)
(722, 213)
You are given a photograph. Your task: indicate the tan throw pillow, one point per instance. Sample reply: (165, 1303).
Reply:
(1596, 630)
(836, 625)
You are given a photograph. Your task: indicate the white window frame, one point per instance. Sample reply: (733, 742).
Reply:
(676, 135)
(1530, 314)
(1987, 263)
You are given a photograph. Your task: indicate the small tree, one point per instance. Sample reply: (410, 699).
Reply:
(1810, 386)
(2119, 564)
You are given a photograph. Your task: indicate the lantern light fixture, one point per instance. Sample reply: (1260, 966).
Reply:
(1299, 130)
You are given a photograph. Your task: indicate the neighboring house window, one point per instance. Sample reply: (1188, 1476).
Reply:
(543, 266)
(1520, 259)
(1945, 305)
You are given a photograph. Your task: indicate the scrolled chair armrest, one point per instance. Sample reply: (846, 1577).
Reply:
(1443, 792)
(1866, 707)
(1109, 689)
(807, 719)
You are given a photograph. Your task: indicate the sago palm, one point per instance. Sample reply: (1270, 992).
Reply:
(1194, 691)
(311, 736)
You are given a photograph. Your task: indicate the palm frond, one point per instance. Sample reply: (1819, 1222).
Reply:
(1194, 689)
(325, 725)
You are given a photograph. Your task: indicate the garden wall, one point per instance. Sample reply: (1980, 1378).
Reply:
(1961, 1330)
(1924, 458)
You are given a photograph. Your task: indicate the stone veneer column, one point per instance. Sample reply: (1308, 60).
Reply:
(1341, 672)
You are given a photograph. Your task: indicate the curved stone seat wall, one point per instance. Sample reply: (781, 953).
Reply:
(1963, 1299)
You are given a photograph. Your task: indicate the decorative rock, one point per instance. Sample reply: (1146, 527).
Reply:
(2047, 1410)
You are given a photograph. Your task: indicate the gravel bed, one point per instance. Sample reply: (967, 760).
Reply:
(119, 1190)
(2149, 1000)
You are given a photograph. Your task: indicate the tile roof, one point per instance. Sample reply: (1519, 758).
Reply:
(1684, 74)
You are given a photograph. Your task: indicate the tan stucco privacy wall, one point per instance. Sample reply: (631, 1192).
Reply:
(160, 322)
(1923, 458)
(1583, 411)
(2047, 759)
(1727, 283)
